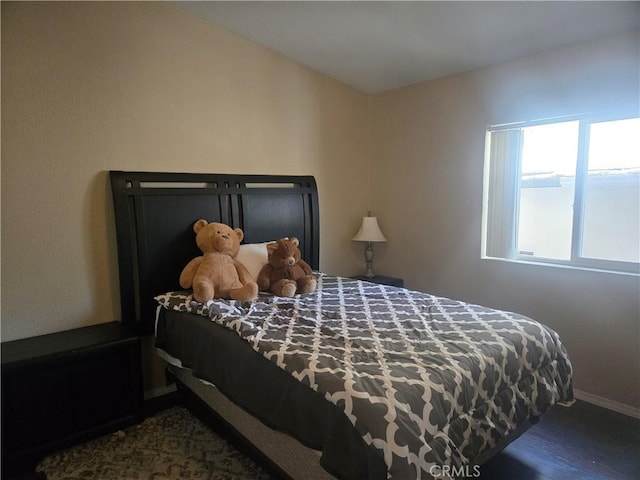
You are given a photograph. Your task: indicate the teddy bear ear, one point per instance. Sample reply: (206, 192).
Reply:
(272, 247)
(295, 241)
(199, 225)
(239, 233)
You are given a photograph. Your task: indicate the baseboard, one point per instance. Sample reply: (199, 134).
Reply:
(159, 392)
(160, 399)
(606, 403)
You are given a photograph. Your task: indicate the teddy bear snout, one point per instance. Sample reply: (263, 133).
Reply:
(291, 261)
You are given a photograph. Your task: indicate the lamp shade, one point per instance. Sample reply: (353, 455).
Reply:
(369, 231)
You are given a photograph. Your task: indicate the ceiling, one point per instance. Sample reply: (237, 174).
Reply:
(378, 46)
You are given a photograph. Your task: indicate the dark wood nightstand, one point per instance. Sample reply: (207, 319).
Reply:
(66, 387)
(394, 282)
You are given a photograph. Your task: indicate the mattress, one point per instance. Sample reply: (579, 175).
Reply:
(384, 381)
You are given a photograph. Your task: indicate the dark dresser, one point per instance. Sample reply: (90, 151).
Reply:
(382, 279)
(66, 387)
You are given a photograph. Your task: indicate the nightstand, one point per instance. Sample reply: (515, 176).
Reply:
(394, 282)
(66, 387)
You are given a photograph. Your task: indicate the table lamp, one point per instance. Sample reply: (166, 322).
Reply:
(369, 232)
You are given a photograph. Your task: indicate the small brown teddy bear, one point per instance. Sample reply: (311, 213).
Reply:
(286, 273)
(217, 274)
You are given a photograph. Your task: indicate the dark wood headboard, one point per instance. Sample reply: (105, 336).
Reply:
(155, 213)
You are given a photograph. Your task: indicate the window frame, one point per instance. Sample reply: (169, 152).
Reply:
(511, 252)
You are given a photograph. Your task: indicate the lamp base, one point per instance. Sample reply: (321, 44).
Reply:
(368, 258)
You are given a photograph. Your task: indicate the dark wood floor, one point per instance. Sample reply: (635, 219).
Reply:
(583, 442)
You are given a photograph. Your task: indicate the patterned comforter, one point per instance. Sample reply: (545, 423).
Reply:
(428, 382)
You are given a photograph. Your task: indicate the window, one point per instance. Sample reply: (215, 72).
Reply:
(565, 191)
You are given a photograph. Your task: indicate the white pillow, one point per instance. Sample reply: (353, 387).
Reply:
(253, 256)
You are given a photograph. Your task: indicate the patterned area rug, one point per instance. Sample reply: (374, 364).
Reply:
(171, 445)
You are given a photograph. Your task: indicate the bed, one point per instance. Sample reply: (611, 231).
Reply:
(356, 380)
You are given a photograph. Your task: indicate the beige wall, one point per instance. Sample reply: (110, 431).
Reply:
(89, 87)
(428, 144)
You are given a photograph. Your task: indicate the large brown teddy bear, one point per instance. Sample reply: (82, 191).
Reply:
(217, 274)
(286, 273)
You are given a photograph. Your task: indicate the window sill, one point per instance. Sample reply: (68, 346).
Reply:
(542, 263)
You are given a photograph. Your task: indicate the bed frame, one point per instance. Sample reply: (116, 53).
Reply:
(154, 215)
